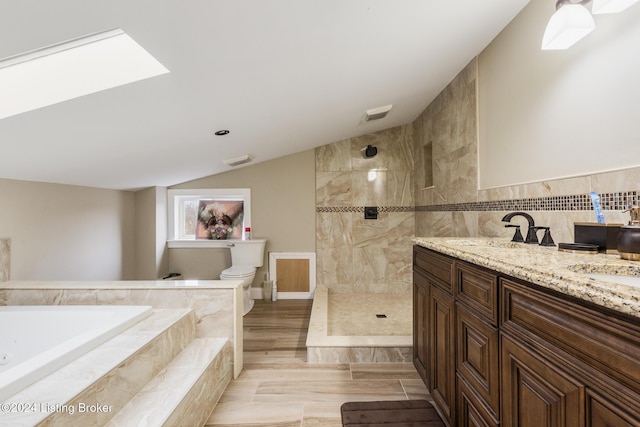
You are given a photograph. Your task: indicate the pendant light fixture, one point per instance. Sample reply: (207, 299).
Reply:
(570, 23)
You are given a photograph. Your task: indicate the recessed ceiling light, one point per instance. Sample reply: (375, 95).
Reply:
(222, 132)
(72, 69)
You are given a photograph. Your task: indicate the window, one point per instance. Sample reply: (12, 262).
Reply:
(208, 217)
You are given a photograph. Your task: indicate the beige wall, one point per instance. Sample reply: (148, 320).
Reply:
(152, 257)
(63, 232)
(356, 254)
(282, 211)
(554, 114)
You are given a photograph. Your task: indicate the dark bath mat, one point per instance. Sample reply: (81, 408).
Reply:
(399, 413)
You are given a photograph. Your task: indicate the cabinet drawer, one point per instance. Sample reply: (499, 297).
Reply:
(478, 289)
(438, 266)
(609, 344)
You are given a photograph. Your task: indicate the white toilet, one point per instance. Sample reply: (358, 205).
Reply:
(246, 256)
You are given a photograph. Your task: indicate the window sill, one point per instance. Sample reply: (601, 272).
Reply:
(191, 244)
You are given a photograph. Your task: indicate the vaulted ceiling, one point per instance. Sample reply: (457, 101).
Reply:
(282, 75)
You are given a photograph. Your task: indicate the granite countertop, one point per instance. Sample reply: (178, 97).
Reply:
(546, 266)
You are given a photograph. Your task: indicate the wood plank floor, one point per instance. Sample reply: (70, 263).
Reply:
(278, 388)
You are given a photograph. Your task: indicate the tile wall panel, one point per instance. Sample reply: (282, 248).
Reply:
(375, 256)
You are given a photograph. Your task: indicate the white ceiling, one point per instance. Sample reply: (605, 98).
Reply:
(282, 75)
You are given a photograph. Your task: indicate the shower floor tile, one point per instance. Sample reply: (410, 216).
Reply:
(357, 314)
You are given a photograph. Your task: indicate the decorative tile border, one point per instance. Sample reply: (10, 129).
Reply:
(578, 202)
(356, 209)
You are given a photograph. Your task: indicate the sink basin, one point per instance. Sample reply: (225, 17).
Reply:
(624, 275)
(614, 278)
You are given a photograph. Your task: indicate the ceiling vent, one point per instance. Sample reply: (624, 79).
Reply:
(235, 161)
(377, 113)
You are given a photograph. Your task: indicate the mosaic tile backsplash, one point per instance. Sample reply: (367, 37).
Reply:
(619, 201)
(579, 202)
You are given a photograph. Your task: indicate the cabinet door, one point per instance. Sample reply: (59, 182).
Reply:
(602, 412)
(420, 333)
(535, 393)
(477, 356)
(472, 412)
(442, 352)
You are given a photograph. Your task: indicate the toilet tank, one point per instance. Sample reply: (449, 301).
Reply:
(248, 253)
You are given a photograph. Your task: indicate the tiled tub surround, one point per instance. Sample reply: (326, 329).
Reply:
(95, 376)
(324, 347)
(5, 252)
(217, 303)
(546, 266)
(38, 340)
(126, 369)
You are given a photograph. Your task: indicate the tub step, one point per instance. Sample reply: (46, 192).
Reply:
(108, 376)
(186, 391)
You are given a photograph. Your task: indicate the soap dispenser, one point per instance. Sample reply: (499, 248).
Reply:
(629, 236)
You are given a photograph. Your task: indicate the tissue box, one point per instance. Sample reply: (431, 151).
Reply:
(603, 235)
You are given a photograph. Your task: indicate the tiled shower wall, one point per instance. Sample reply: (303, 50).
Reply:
(5, 246)
(356, 254)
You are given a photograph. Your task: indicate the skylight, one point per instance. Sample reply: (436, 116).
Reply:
(72, 69)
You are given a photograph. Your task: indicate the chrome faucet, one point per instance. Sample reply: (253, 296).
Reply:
(532, 236)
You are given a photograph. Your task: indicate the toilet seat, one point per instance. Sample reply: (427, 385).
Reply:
(238, 272)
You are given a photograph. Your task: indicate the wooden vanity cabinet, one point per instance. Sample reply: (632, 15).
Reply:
(433, 284)
(582, 362)
(461, 335)
(420, 322)
(477, 349)
(477, 366)
(504, 352)
(441, 351)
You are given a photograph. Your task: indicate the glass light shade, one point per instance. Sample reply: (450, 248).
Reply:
(71, 69)
(569, 24)
(610, 6)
